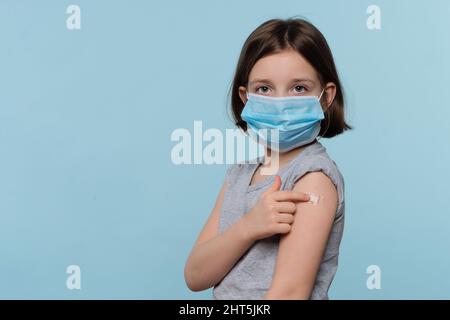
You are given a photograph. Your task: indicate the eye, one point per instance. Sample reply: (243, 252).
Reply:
(265, 89)
(300, 89)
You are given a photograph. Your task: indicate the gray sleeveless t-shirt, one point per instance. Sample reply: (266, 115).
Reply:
(251, 276)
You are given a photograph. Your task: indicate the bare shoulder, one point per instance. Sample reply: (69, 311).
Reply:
(324, 191)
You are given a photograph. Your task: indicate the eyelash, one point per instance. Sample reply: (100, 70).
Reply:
(305, 88)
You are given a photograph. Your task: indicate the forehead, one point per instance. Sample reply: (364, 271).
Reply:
(282, 67)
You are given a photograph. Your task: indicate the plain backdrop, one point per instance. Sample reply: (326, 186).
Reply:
(86, 176)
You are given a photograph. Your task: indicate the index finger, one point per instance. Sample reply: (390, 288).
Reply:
(290, 195)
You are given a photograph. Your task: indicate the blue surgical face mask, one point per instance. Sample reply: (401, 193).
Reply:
(296, 118)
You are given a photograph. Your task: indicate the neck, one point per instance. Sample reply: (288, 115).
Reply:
(285, 157)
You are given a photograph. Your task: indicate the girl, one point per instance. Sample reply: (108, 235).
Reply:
(278, 236)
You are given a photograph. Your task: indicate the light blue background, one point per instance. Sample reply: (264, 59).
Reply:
(86, 116)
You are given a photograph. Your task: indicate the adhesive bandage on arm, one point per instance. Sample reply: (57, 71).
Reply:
(314, 198)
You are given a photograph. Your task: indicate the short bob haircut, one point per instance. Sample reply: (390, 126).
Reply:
(276, 35)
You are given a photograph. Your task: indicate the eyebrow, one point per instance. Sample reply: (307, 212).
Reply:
(292, 80)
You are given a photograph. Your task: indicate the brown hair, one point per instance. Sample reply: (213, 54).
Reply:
(276, 35)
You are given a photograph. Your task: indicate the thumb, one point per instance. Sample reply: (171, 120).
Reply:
(275, 186)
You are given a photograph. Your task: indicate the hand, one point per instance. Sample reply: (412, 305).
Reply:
(273, 213)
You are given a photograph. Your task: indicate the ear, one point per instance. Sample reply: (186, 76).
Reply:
(242, 94)
(328, 95)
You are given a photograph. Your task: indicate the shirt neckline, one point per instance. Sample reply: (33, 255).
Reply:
(271, 179)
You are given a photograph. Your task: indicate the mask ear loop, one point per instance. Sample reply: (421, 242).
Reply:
(246, 132)
(323, 90)
(328, 116)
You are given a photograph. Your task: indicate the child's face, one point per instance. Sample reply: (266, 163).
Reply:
(283, 74)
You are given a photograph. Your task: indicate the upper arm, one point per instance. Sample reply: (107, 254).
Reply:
(301, 250)
(211, 227)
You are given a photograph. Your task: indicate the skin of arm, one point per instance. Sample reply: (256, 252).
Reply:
(301, 250)
(205, 267)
